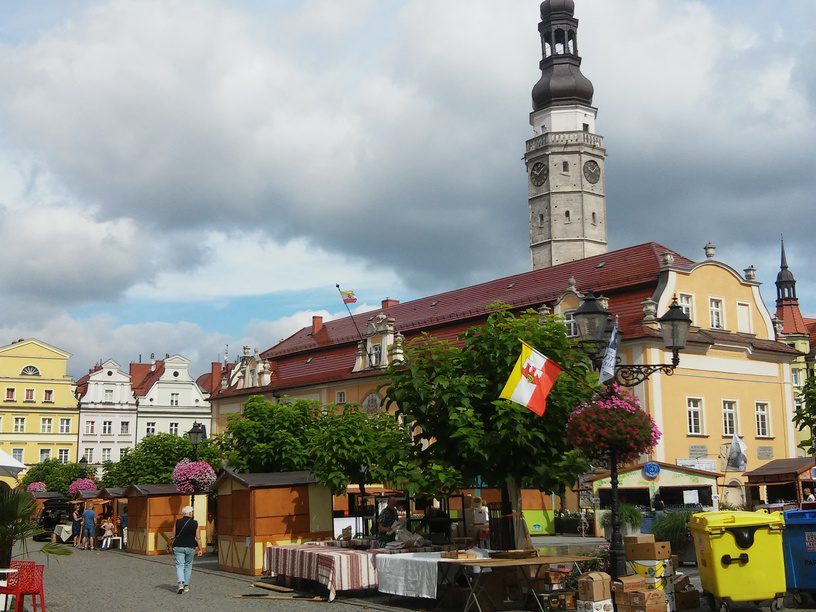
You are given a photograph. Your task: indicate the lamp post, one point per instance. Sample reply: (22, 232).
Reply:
(83, 463)
(595, 329)
(194, 435)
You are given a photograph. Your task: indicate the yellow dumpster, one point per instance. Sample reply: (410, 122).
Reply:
(740, 557)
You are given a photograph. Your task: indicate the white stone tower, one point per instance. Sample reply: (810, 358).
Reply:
(565, 158)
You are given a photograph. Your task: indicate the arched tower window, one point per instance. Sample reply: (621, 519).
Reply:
(567, 216)
(571, 46)
(560, 42)
(547, 44)
(541, 220)
(565, 166)
(30, 370)
(594, 219)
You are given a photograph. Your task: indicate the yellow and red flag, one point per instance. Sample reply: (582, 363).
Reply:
(531, 380)
(348, 296)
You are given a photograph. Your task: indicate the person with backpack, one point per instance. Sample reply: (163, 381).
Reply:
(185, 546)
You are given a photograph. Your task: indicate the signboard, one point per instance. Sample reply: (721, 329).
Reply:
(764, 452)
(810, 541)
(691, 497)
(698, 450)
(585, 499)
(651, 470)
(707, 465)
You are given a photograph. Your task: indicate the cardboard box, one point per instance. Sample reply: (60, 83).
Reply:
(595, 586)
(675, 561)
(687, 600)
(642, 599)
(604, 605)
(625, 584)
(641, 538)
(680, 582)
(554, 577)
(649, 550)
(656, 572)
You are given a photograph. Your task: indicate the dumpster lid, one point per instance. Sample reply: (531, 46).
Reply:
(800, 517)
(725, 518)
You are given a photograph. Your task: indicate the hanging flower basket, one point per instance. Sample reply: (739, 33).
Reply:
(613, 422)
(193, 476)
(81, 484)
(36, 487)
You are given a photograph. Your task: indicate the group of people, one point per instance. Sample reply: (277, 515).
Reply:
(436, 521)
(84, 525)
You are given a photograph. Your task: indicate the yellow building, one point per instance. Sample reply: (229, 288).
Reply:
(39, 415)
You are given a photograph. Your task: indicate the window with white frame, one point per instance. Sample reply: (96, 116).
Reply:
(10, 394)
(46, 425)
(572, 325)
(124, 427)
(48, 396)
(686, 304)
(694, 415)
(174, 399)
(715, 311)
(340, 397)
(19, 424)
(174, 428)
(743, 318)
(90, 427)
(762, 424)
(107, 427)
(89, 455)
(106, 455)
(796, 374)
(123, 453)
(150, 428)
(108, 396)
(45, 454)
(29, 395)
(17, 453)
(30, 370)
(62, 455)
(65, 425)
(376, 355)
(729, 413)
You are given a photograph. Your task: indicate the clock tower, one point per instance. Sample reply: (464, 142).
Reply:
(565, 158)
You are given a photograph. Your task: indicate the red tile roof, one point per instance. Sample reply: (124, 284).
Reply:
(141, 387)
(82, 383)
(787, 311)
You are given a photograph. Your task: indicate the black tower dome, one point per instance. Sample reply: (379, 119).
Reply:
(785, 282)
(561, 79)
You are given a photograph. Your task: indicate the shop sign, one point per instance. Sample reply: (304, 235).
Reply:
(651, 470)
(698, 450)
(810, 541)
(764, 452)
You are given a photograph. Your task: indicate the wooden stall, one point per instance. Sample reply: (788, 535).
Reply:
(260, 510)
(780, 484)
(91, 499)
(152, 511)
(40, 497)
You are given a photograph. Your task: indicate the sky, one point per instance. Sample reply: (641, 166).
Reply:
(179, 177)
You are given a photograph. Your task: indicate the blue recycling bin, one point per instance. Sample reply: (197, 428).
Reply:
(799, 545)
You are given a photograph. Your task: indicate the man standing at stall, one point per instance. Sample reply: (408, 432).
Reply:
(385, 522)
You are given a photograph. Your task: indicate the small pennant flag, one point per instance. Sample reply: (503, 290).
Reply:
(531, 380)
(608, 365)
(348, 296)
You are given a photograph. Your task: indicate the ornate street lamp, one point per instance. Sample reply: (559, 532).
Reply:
(595, 329)
(195, 434)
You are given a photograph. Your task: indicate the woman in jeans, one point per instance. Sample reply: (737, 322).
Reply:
(185, 545)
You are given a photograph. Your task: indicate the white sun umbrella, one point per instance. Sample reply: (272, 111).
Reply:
(9, 466)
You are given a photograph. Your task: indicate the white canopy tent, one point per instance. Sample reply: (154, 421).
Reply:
(9, 466)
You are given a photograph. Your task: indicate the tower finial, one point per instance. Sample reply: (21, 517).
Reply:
(785, 281)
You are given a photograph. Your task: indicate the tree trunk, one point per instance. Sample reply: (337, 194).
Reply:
(522, 535)
(5, 556)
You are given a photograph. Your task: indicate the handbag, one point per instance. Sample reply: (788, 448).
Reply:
(169, 547)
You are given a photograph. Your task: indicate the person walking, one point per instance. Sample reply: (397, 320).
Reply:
(107, 533)
(76, 525)
(185, 545)
(89, 527)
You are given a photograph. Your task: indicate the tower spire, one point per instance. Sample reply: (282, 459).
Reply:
(785, 281)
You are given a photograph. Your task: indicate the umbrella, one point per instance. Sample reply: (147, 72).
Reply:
(9, 466)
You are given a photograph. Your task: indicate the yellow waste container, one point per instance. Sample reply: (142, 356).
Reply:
(740, 557)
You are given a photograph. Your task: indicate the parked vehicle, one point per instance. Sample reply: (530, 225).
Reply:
(54, 512)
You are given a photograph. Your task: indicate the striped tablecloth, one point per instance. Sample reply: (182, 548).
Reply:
(339, 569)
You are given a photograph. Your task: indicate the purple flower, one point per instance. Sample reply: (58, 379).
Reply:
(193, 476)
(36, 487)
(81, 484)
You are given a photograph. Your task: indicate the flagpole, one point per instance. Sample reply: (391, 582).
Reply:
(353, 321)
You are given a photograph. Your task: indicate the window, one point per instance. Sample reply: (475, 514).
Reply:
(594, 219)
(586, 127)
(566, 216)
(150, 428)
(29, 395)
(45, 454)
(565, 166)
(63, 455)
(762, 430)
(108, 396)
(90, 427)
(46, 424)
(174, 428)
(743, 318)
(123, 453)
(124, 427)
(89, 455)
(572, 325)
(17, 453)
(107, 427)
(541, 220)
(65, 425)
(715, 310)
(685, 305)
(48, 396)
(376, 355)
(797, 377)
(106, 455)
(10, 394)
(729, 417)
(174, 399)
(694, 414)
(30, 371)
(340, 397)
(19, 424)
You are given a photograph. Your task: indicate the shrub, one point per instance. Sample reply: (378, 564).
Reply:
(630, 516)
(673, 527)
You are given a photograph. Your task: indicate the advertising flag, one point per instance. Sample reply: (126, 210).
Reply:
(737, 459)
(531, 380)
(348, 296)
(608, 365)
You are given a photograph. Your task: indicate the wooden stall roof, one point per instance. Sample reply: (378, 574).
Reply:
(93, 494)
(148, 490)
(268, 479)
(781, 468)
(667, 466)
(48, 495)
(112, 492)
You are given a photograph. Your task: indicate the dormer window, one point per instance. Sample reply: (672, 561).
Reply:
(376, 355)
(30, 370)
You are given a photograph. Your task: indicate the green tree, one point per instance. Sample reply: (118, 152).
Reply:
(17, 508)
(347, 445)
(450, 393)
(805, 415)
(56, 476)
(270, 436)
(153, 459)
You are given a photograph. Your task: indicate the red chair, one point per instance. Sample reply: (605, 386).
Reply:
(27, 580)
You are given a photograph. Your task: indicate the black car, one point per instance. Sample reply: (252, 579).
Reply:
(54, 512)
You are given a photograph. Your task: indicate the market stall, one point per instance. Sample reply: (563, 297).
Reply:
(40, 497)
(260, 510)
(779, 484)
(152, 511)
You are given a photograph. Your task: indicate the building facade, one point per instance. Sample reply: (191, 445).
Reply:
(39, 416)
(107, 414)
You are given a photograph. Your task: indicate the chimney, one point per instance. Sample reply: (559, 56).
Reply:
(710, 250)
(317, 324)
(215, 377)
(388, 303)
(750, 273)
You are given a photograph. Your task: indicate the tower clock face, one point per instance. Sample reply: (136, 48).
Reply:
(592, 171)
(538, 174)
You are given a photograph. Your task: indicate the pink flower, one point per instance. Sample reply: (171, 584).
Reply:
(81, 484)
(193, 476)
(36, 487)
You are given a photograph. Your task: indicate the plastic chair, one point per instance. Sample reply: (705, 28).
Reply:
(28, 580)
